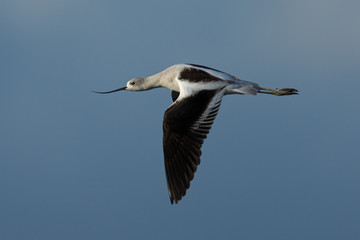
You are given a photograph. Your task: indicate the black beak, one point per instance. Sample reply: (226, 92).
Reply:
(119, 89)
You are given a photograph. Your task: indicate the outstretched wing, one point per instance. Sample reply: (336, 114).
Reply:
(186, 124)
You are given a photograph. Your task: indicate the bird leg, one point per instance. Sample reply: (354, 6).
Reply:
(278, 91)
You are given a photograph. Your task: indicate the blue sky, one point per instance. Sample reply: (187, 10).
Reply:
(77, 165)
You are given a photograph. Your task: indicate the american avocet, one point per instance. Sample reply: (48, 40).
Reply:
(197, 92)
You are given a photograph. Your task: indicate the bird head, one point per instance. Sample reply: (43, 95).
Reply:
(135, 84)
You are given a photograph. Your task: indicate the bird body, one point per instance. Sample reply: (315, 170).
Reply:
(197, 92)
(190, 78)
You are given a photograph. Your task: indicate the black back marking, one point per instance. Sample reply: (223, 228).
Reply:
(197, 75)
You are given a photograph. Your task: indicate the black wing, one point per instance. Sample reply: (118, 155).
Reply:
(174, 95)
(186, 124)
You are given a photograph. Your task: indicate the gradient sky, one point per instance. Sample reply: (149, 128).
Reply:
(78, 165)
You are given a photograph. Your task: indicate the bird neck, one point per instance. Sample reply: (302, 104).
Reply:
(164, 79)
(153, 81)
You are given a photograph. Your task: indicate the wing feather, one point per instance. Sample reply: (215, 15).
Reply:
(186, 125)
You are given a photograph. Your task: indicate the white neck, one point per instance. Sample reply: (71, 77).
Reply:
(166, 79)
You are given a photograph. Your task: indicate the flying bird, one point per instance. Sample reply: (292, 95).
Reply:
(197, 92)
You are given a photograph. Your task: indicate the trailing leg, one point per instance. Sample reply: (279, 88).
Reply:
(278, 91)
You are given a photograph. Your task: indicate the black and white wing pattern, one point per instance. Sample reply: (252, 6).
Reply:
(186, 124)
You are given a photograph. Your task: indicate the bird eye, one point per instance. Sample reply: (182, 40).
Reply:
(132, 83)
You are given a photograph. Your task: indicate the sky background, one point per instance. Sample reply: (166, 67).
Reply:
(78, 165)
